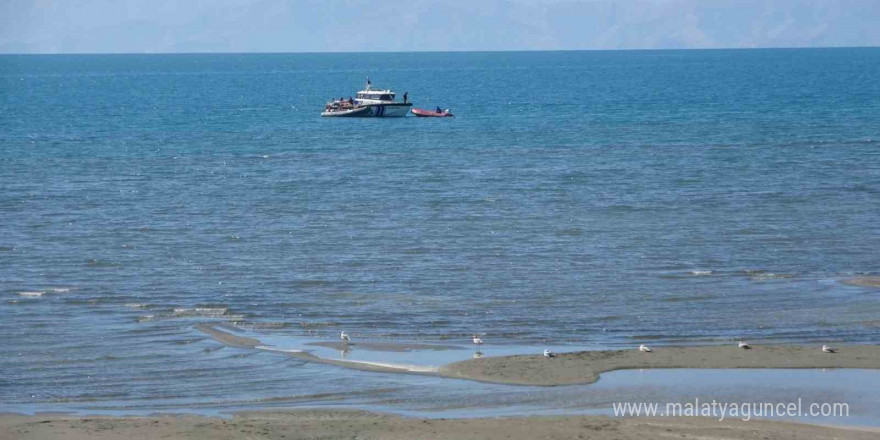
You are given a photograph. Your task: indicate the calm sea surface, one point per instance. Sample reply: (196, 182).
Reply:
(589, 199)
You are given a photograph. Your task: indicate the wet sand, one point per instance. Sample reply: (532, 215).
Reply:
(227, 338)
(327, 424)
(863, 282)
(584, 367)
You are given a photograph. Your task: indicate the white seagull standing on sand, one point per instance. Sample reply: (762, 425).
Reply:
(345, 338)
(743, 345)
(477, 340)
(549, 354)
(827, 349)
(644, 348)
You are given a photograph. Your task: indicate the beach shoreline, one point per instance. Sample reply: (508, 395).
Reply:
(584, 367)
(323, 424)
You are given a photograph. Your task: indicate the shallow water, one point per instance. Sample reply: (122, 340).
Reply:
(578, 200)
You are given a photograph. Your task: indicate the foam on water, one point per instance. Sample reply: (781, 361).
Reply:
(247, 325)
(201, 311)
(138, 305)
(765, 276)
(32, 294)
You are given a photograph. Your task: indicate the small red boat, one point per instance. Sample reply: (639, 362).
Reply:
(422, 113)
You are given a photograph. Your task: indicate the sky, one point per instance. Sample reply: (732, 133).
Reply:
(170, 26)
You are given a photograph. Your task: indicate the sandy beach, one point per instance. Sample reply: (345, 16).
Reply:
(335, 424)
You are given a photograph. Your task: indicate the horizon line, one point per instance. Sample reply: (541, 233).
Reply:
(444, 51)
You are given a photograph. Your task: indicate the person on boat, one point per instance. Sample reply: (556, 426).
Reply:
(439, 110)
(350, 101)
(405, 95)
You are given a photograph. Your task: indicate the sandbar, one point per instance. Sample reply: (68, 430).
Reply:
(233, 340)
(228, 338)
(585, 366)
(864, 282)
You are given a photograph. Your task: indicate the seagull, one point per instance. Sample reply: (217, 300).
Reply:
(477, 340)
(827, 349)
(344, 337)
(644, 348)
(549, 354)
(743, 345)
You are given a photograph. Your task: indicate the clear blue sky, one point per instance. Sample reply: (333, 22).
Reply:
(150, 26)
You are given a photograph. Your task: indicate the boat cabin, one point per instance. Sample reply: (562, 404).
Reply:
(376, 96)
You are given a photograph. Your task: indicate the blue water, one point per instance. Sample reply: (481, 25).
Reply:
(590, 199)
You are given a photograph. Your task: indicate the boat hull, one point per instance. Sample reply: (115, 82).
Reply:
(397, 110)
(359, 112)
(422, 113)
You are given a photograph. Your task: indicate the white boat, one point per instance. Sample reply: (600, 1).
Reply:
(382, 103)
(336, 109)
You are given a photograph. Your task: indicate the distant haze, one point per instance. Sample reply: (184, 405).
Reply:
(141, 26)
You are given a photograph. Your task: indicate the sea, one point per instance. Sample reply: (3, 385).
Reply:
(579, 200)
